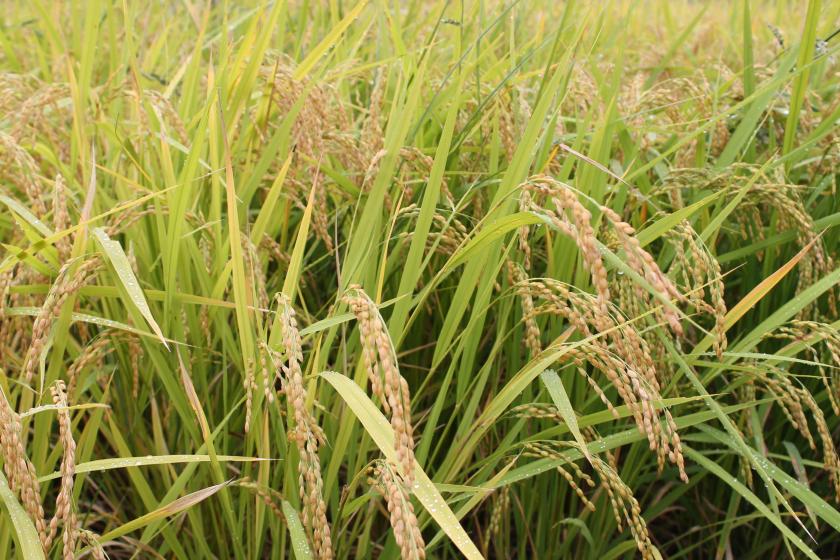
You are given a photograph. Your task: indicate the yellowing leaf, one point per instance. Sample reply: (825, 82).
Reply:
(168, 510)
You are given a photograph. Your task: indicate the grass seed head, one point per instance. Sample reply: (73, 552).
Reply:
(386, 381)
(400, 509)
(19, 469)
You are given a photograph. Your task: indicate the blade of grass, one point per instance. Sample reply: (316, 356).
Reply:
(119, 261)
(29, 544)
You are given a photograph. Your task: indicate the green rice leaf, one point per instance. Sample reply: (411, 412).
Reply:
(25, 534)
(113, 251)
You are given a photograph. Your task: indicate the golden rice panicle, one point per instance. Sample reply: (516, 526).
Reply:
(321, 127)
(525, 204)
(513, 112)
(700, 269)
(536, 411)
(31, 115)
(15, 90)
(19, 470)
(549, 450)
(407, 533)
(767, 195)
(573, 219)
(6, 332)
(625, 506)
(255, 271)
(719, 311)
(166, 113)
(64, 512)
(135, 353)
(290, 365)
(645, 265)
(65, 285)
(20, 168)
(122, 221)
(266, 495)
(249, 383)
(815, 335)
(275, 251)
(90, 354)
(372, 134)
(451, 234)
(532, 329)
(789, 399)
(161, 108)
(798, 405)
(413, 160)
(322, 118)
(305, 432)
(378, 352)
(314, 507)
(422, 164)
(320, 218)
(831, 461)
(621, 354)
(664, 104)
(268, 378)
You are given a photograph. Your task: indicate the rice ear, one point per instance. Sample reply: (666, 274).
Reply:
(387, 382)
(305, 431)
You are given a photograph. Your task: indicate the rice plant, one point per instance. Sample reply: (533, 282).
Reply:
(421, 279)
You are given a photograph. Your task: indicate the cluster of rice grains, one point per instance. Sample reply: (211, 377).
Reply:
(700, 273)
(19, 469)
(22, 171)
(322, 126)
(24, 482)
(624, 505)
(798, 406)
(64, 502)
(819, 344)
(501, 504)
(766, 195)
(70, 279)
(673, 106)
(632, 357)
(610, 343)
(629, 355)
(391, 388)
(306, 434)
(383, 477)
(450, 234)
(385, 379)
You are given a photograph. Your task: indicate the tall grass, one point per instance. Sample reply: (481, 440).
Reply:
(419, 279)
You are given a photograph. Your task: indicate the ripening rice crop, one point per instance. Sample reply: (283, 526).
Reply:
(421, 279)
